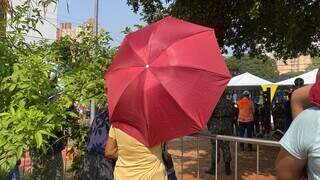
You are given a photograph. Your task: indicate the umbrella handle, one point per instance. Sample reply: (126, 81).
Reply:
(164, 147)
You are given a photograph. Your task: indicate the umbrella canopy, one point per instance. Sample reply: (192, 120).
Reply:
(165, 81)
(247, 79)
(308, 78)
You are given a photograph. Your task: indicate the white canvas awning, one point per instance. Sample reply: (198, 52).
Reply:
(309, 78)
(247, 79)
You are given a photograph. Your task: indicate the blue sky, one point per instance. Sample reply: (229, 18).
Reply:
(114, 15)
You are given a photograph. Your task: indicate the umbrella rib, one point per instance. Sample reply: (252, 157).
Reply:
(145, 109)
(191, 35)
(135, 52)
(151, 36)
(114, 109)
(194, 68)
(124, 68)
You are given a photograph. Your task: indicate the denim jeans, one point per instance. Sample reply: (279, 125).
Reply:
(242, 128)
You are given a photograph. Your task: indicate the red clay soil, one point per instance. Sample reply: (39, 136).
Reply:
(246, 161)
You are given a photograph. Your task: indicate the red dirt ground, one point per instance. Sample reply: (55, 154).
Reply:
(246, 161)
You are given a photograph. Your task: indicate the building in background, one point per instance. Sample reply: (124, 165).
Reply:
(298, 64)
(67, 29)
(48, 28)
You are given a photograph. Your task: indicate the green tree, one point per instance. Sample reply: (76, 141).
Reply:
(287, 28)
(28, 118)
(261, 66)
(128, 30)
(82, 63)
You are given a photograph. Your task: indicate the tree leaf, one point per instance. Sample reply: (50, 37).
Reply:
(12, 161)
(38, 138)
(91, 85)
(20, 151)
(4, 114)
(12, 87)
(46, 133)
(24, 86)
(12, 111)
(35, 97)
(72, 114)
(2, 161)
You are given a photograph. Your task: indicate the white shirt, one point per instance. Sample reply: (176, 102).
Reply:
(302, 140)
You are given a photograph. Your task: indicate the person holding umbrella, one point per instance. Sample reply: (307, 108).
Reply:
(134, 159)
(163, 84)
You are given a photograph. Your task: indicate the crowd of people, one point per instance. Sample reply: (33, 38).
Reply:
(248, 114)
(295, 113)
(265, 116)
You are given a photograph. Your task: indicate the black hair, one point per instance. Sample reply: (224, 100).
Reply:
(298, 82)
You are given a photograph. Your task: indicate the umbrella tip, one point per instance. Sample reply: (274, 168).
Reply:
(147, 66)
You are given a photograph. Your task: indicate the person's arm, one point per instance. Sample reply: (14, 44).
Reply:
(300, 100)
(288, 167)
(297, 144)
(111, 150)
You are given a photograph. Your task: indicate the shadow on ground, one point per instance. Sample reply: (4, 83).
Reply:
(247, 168)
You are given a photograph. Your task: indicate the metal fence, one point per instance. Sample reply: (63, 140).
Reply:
(67, 156)
(197, 137)
(236, 140)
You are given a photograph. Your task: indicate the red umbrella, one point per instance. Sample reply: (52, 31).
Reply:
(165, 81)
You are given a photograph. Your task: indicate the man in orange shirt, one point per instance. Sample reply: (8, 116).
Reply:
(245, 117)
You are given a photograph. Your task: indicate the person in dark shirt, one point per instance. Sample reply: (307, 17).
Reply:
(94, 164)
(288, 115)
(221, 123)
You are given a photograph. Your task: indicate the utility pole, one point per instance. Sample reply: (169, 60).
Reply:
(96, 13)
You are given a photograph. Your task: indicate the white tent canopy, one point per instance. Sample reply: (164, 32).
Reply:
(247, 79)
(309, 78)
